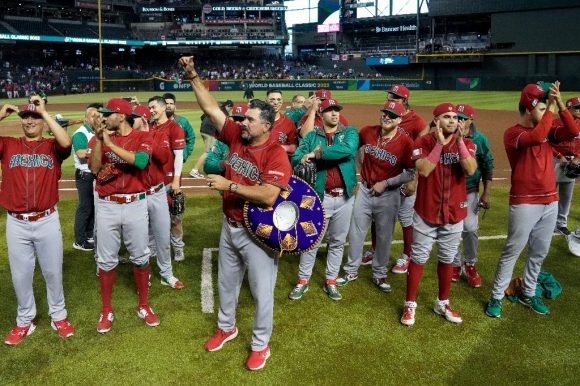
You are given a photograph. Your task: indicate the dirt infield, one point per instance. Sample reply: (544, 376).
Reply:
(491, 122)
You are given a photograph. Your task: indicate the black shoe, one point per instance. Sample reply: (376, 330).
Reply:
(563, 231)
(84, 246)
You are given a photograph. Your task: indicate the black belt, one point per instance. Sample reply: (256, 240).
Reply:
(234, 223)
(369, 186)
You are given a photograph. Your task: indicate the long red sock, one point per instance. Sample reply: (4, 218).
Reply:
(373, 236)
(414, 275)
(106, 280)
(407, 240)
(141, 275)
(444, 273)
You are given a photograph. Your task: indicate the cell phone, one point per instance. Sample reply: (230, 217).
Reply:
(128, 99)
(310, 93)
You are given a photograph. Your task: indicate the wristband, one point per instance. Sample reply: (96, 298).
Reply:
(463, 152)
(435, 154)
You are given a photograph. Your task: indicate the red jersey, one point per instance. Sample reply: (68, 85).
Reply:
(249, 165)
(160, 155)
(412, 124)
(130, 179)
(30, 173)
(318, 120)
(570, 147)
(530, 156)
(176, 137)
(384, 159)
(442, 196)
(284, 130)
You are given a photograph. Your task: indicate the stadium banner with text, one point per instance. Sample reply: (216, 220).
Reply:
(138, 43)
(387, 61)
(259, 85)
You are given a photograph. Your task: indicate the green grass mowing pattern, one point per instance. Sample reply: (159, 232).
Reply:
(358, 340)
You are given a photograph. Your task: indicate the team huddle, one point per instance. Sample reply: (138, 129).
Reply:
(129, 162)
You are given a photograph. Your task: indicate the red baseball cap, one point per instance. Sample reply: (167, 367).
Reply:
(239, 110)
(143, 112)
(531, 95)
(400, 90)
(27, 110)
(465, 111)
(444, 108)
(118, 105)
(327, 104)
(394, 107)
(573, 102)
(323, 94)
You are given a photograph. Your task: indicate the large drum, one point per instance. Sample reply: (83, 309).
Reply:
(295, 224)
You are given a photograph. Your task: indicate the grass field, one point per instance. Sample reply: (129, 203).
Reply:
(358, 340)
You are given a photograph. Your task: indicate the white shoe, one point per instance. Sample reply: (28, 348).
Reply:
(408, 317)
(172, 282)
(445, 310)
(194, 173)
(178, 254)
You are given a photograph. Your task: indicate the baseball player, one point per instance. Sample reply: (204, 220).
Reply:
(177, 219)
(412, 125)
(257, 170)
(311, 117)
(174, 166)
(484, 172)
(85, 213)
(296, 110)
(386, 165)
(284, 128)
(333, 147)
(442, 160)
(533, 196)
(31, 168)
(564, 153)
(118, 159)
(157, 205)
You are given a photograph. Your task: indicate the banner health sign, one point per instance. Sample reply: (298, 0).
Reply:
(387, 61)
(306, 85)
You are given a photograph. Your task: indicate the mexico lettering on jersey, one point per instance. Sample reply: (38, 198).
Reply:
(412, 124)
(442, 196)
(130, 179)
(30, 173)
(176, 137)
(284, 131)
(250, 165)
(384, 159)
(160, 156)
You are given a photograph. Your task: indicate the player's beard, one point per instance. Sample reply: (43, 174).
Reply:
(170, 113)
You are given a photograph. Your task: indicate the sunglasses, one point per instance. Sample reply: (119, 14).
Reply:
(107, 114)
(390, 115)
(395, 96)
(238, 118)
(461, 119)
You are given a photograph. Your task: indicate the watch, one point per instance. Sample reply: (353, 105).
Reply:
(233, 187)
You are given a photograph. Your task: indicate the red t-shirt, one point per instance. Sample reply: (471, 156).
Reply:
(284, 130)
(30, 173)
(333, 174)
(384, 159)
(176, 137)
(570, 147)
(412, 124)
(160, 155)
(248, 165)
(130, 179)
(442, 196)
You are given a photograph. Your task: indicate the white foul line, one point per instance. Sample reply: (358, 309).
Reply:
(207, 281)
(207, 294)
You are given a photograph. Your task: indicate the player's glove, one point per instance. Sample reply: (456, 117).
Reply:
(572, 170)
(107, 173)
(177, 205)
(306, 172)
